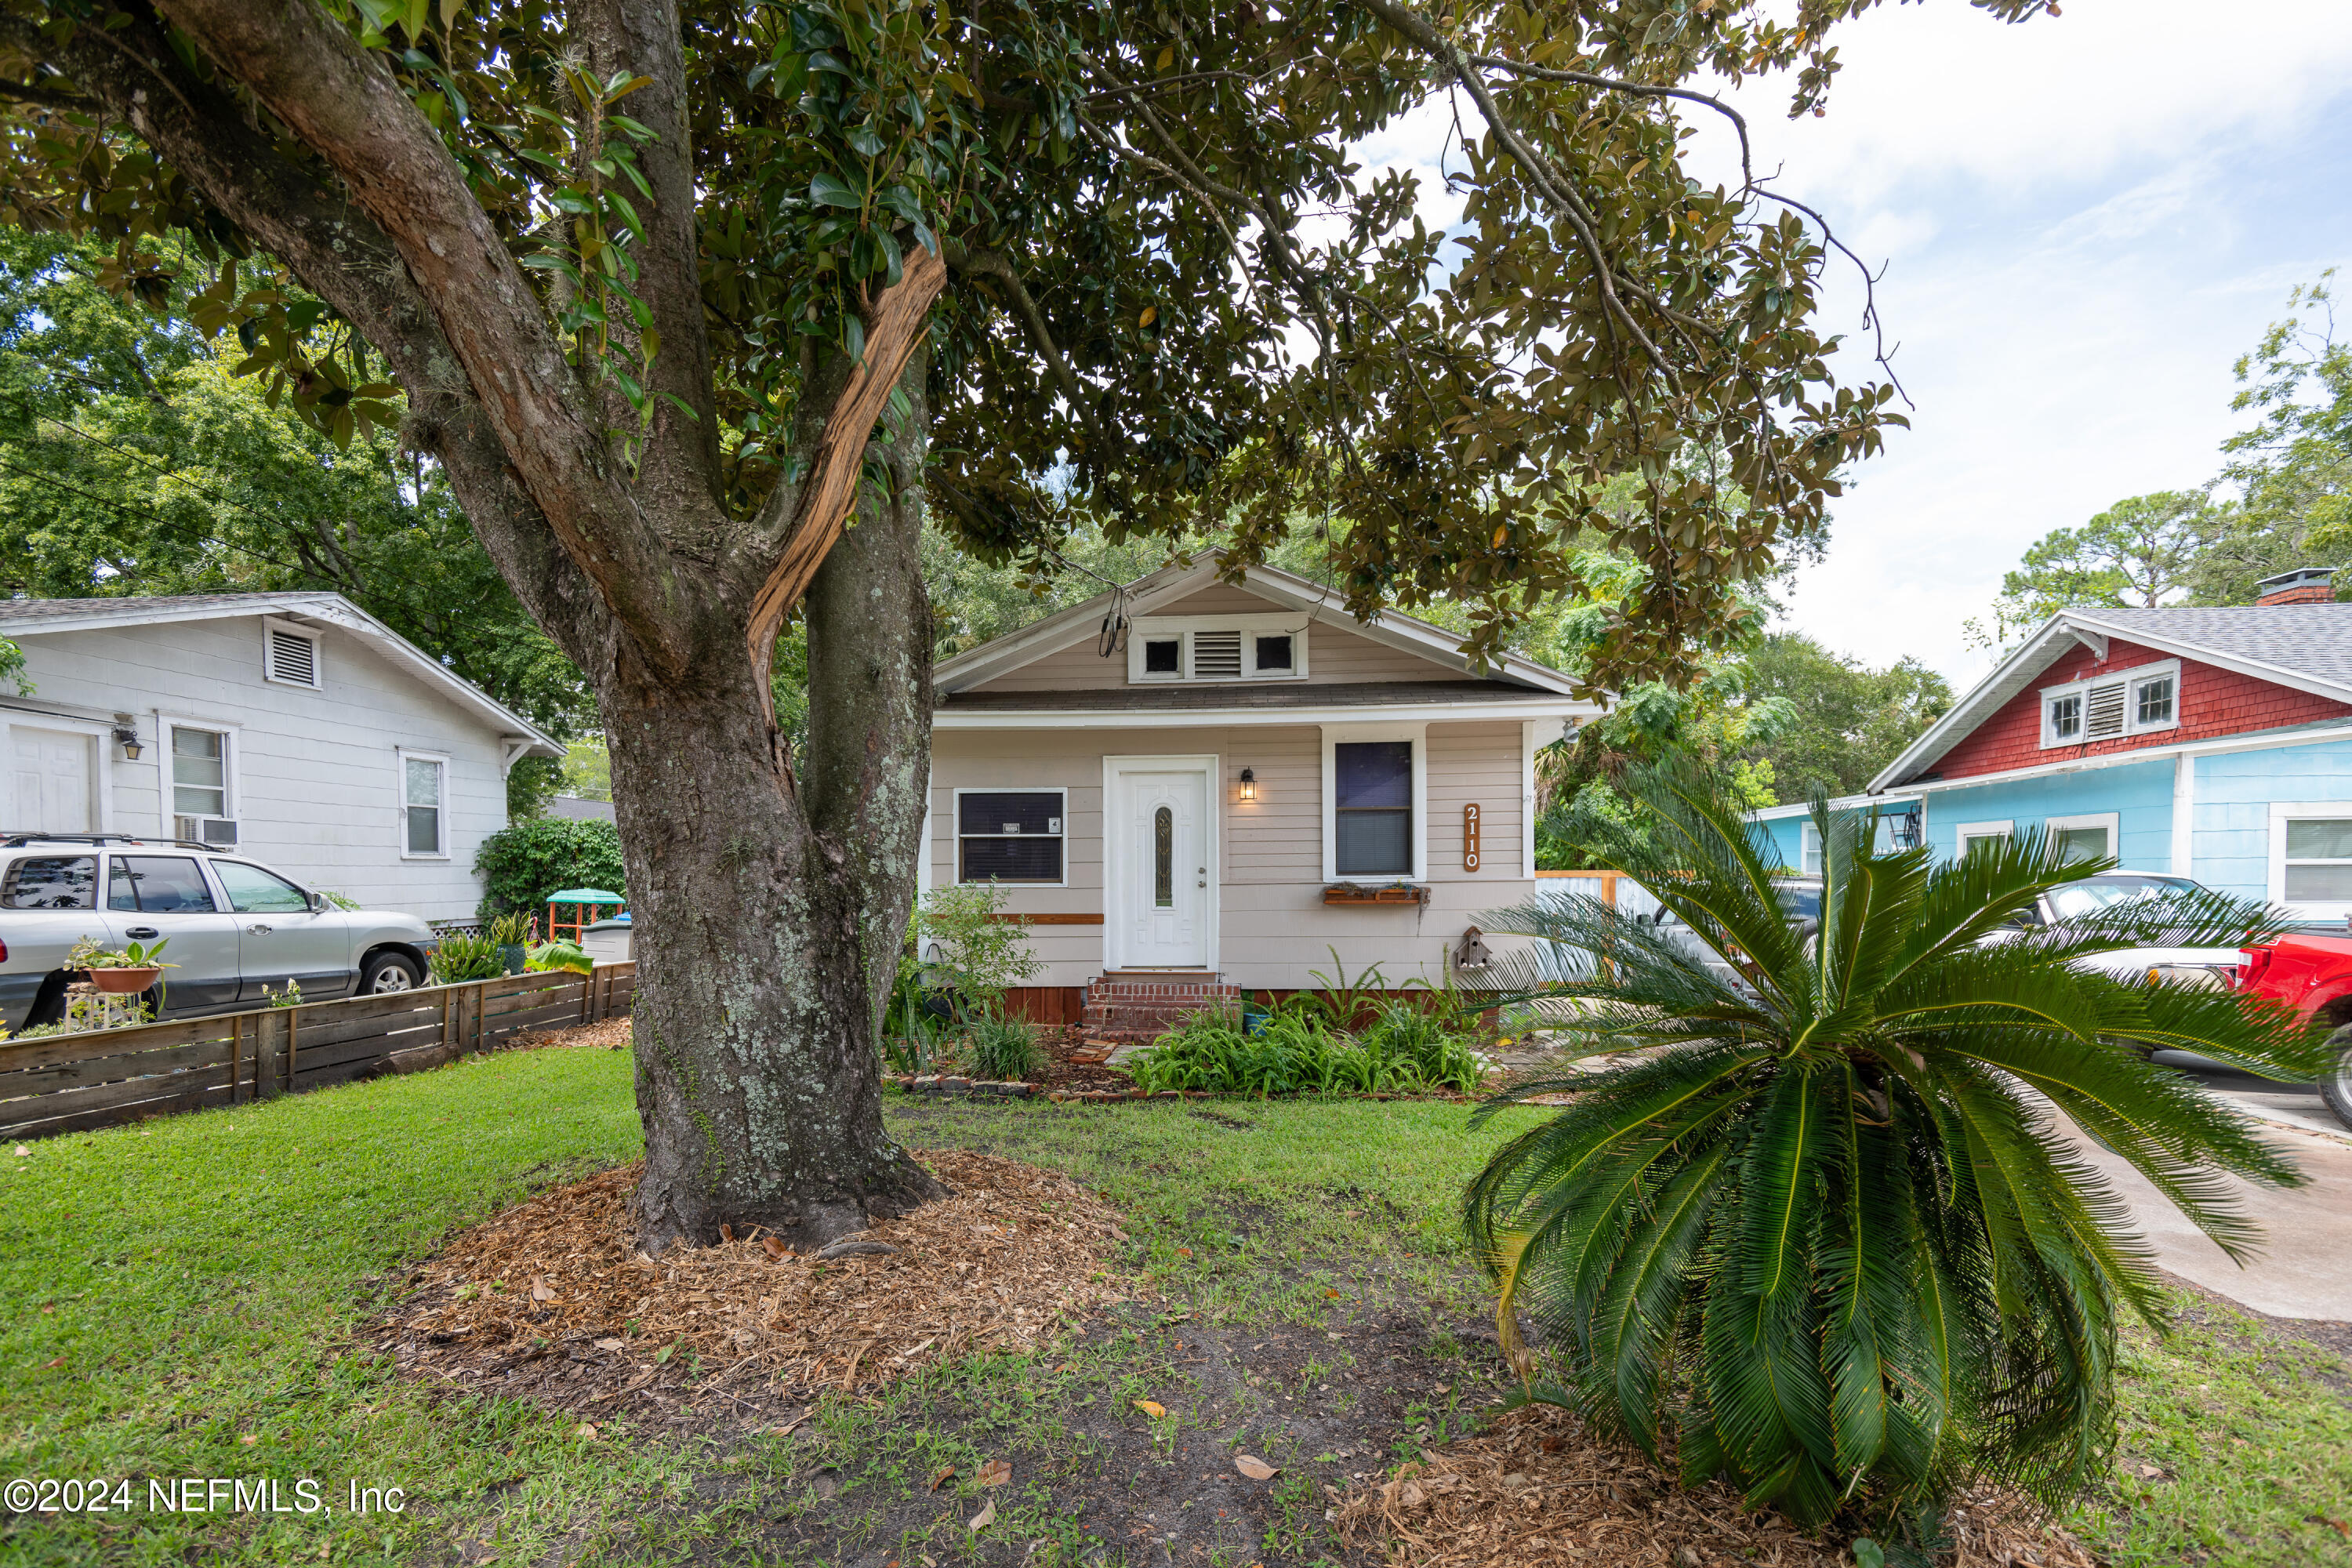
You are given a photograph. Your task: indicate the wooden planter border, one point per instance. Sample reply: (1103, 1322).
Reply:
(73, 1083)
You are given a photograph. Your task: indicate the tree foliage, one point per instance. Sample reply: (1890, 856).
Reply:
(1840, 720)
(1822, 1233)
(1099, 183)
(521, 864)
(131, 461)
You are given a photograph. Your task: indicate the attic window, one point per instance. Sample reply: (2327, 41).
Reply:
(1218, 648)
(2132, 702)
(289, 653)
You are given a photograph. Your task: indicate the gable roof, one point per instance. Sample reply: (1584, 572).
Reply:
(2304, 648)
(1149, 594)
(36, 617)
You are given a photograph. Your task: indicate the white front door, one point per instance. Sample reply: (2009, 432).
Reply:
(49, 781)
(1161, 904)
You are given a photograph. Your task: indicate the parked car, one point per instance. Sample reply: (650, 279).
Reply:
(236, 930)
(2312, 975)
(1800, 899)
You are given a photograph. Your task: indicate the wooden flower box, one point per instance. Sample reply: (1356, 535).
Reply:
(1347, 893)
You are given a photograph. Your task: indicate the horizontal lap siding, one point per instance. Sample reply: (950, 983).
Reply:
(316, 772)
(2231, 846)
(2213, 702)
(1274, 929)
(2140, 793)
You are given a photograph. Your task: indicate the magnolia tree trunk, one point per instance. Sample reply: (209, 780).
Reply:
(770, 900)
(770, 914)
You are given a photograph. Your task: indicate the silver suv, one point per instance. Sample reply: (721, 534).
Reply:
(238, 930)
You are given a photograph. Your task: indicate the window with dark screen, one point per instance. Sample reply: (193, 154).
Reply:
(1372, 808)
(1008, 836)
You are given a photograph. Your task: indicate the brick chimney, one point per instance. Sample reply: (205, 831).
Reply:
(2304, 586)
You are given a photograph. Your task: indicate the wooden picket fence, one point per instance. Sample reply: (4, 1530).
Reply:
(72, 1083)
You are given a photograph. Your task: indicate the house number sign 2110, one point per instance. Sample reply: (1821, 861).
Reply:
(1470, 836)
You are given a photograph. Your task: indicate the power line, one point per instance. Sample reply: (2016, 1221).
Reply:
(128, 512)
(139, 457)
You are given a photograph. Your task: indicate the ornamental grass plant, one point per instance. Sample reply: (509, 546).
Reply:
(1825, 1232)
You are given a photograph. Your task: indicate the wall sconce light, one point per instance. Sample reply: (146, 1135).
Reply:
(127, 736)
(1249, 783)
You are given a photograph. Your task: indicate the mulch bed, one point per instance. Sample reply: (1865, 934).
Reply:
(1061, 1073)
(552, 1302)
(1536, 1490)
(610, 1034)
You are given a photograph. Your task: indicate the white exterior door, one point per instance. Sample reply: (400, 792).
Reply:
(1160, 902)
(49, 781)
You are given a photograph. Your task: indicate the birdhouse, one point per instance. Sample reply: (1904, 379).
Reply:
(1470, 952)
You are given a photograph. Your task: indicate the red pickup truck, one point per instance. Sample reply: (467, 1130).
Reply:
(2312, 975)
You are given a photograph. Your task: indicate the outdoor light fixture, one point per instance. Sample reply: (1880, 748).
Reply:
(1249, 783)
(127, 735)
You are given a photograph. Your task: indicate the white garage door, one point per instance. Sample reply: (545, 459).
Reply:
(49, 782)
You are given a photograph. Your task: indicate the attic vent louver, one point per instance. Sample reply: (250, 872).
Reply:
(2104, 714)
(293, 657)
(1216, 655)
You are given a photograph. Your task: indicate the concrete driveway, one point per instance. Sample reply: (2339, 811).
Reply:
(2306, 1269)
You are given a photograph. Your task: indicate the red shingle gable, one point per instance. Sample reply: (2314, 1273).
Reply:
(2213, 702)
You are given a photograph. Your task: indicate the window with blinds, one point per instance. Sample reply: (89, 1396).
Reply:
(1009, 835)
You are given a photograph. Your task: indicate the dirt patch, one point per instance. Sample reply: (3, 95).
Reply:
(1536, 1490)
(611, 1034)
(552, 1301)
(1058, 1042)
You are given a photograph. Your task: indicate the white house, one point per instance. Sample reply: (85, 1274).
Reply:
(294, 726)
(1194, 789)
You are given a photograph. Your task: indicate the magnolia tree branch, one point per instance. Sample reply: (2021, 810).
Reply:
(340, 254)
(343, 104)
(681, 473)
(993, 265)
(819, 505)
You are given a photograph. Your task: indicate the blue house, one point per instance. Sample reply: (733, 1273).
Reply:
(2211, 743)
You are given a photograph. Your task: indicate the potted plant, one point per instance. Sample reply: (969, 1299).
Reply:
(511, 933)
(124, 973)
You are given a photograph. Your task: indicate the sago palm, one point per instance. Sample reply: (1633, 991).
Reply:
(1819, 1231)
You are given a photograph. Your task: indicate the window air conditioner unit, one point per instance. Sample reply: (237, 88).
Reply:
(219, 831)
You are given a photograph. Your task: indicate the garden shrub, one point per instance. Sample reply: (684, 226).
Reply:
(1004, 1050)
(988, 955)
(521, 864)
(1294, 1051)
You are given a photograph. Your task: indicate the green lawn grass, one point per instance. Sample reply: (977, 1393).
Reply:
(179, 1301)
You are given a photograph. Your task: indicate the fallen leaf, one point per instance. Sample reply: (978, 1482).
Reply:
(1253, 1467)
(540, 1290)
(248, 1439)
(22, 1150)
(946, 1474)
(1334, 1295)
(772, 1247)
(1151, 1408)
(1183, 1252)
(584, 1430)
(994, 1473)
(983, 1519)
(612, 1345)
(725, 1233)
(59, 1361)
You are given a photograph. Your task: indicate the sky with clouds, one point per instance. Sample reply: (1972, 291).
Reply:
(2085, 220)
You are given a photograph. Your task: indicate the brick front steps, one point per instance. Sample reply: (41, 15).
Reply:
(1137, 1006)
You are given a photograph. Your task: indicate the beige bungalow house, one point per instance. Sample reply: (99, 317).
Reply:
(1195, 790)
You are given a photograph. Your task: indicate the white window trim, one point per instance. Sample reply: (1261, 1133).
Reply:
(1809, 849)
(2281, 811)
(956, 833)
(234, 773)
(102, 737)
(1963, 832)
(402, 757)
(2132, 680)
(1334, 735)
(2113, 821)
(312, 635)
(1159, 629)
